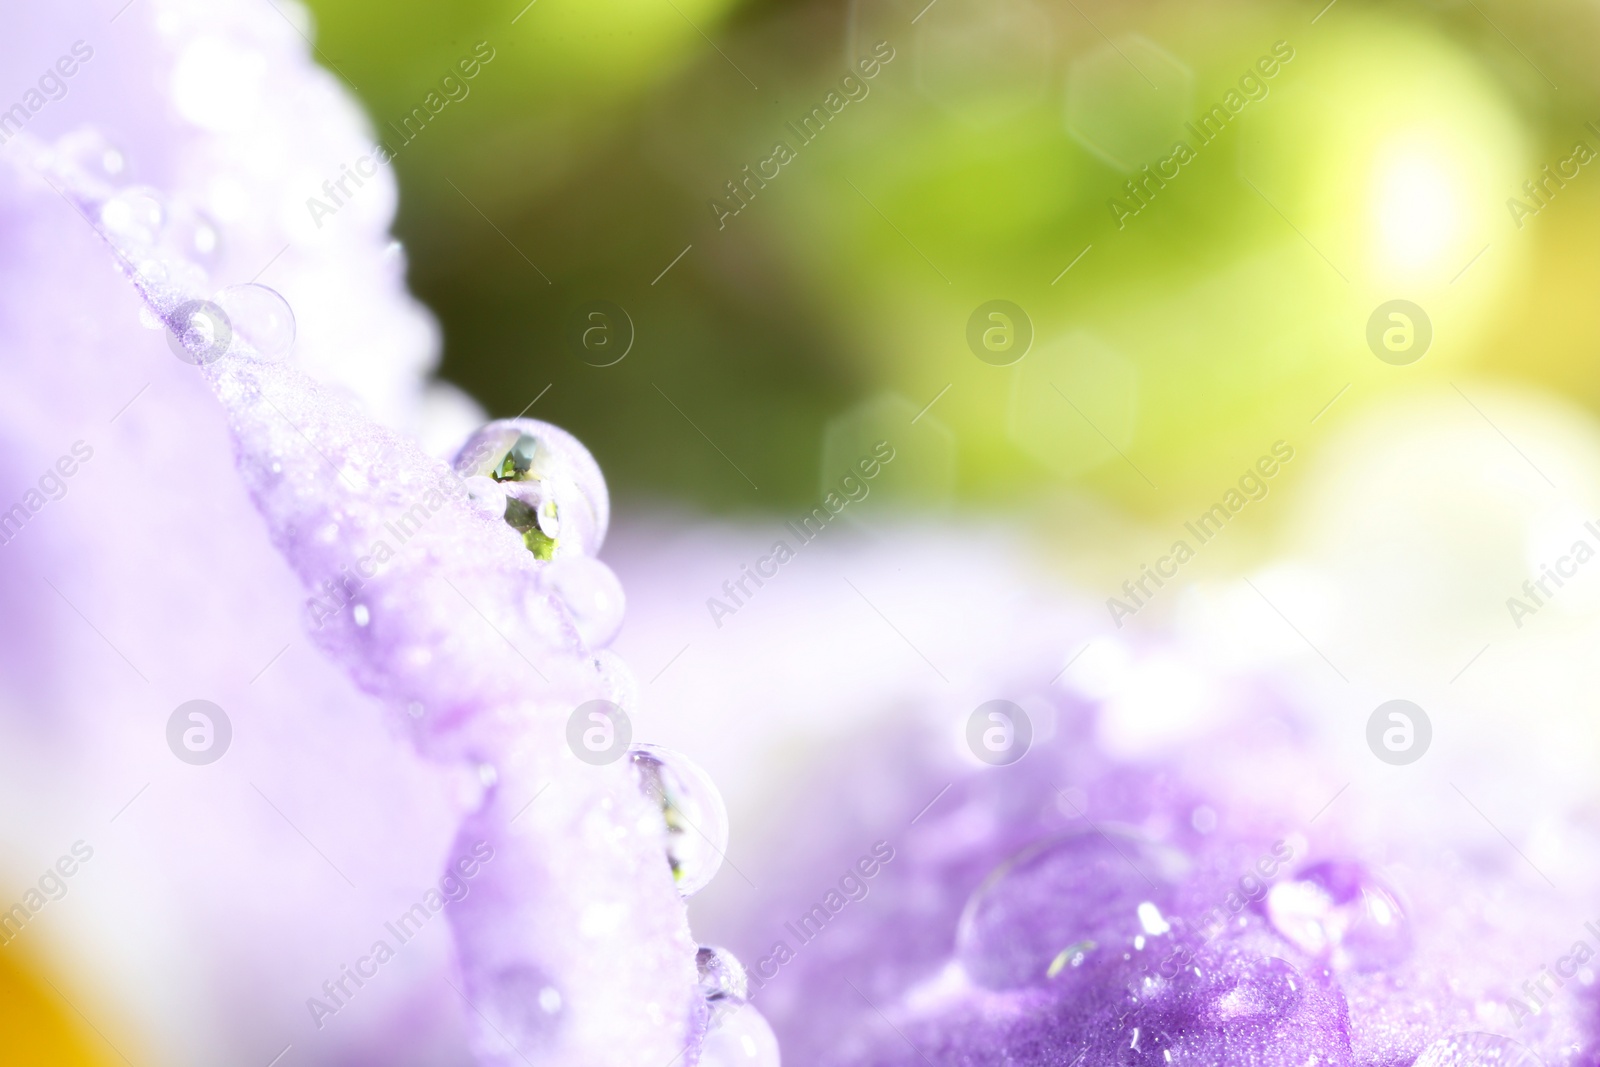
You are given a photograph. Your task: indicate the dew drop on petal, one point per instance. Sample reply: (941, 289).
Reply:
(1088, 894)
(691, 805)
(1341, 912)
(743, 1039)
(261, 316)
(1269, 990)
(562, 506)
(134, 216)
(723, 982)
(1477, 1050)
(592, 593)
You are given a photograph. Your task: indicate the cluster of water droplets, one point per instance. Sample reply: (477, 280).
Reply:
(697, 839)
(1100, 921)
(169, 248)
(544, 484)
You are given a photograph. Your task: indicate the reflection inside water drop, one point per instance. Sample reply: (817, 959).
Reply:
(691, 805)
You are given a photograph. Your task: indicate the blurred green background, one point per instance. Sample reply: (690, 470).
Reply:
(1375, 164)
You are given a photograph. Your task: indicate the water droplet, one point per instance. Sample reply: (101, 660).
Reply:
(134, 216)
(550, 999)
(1477, 1050)
(723, 981)
(488, 775)
(1341, 912)
(360, 614)
(561, 506)
(261, 316)
(1270, 990)
(742, 1040)
(696, 818)
(1077, 889)
(1203, 819)
(593, 594)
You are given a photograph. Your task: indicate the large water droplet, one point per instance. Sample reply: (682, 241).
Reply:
(1076, 899)
(261, 316)
(1341, 912)
(696, 818)
(1477, 1050)
(742, 1040)
(723, 982)
(1270, 990)
(592, 593)
(561, 506)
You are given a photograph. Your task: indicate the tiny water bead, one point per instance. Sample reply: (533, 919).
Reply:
(1477, 1050)
(1341, 912)
(592, 593)
(691, 805)
(555, 495)
(1066, 906)
(261, 316)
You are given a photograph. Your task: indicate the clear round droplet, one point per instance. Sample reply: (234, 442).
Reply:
(1065, 906)
(1341, 912)
(723, 982)
(134, 216)
(1477, 1050)
(559, 499)
(592, 593)
(261, 316)
(743, 1039)
(691, 805)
